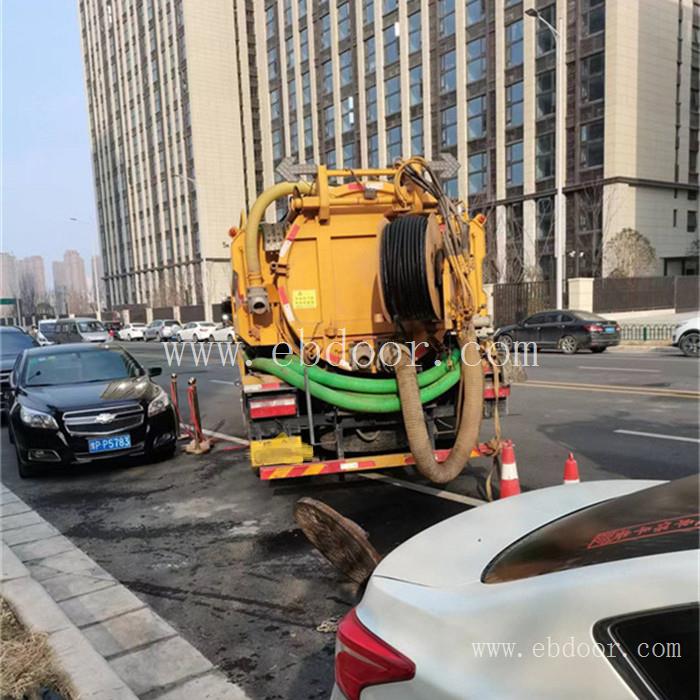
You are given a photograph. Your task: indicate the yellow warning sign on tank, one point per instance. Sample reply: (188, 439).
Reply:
(304, 299)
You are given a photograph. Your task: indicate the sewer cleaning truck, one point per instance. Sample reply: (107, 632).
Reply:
(362, 321)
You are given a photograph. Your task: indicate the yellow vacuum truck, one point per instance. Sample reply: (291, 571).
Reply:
(365, 340)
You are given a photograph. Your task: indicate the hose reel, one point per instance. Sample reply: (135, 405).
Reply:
(410, 269)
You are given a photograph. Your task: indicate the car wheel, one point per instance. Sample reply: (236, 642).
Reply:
(25, 470)
(597, 350)
(506, 340)
(162, 454)
(568, 345)
(690, 344)
(229, 338)
(179, 338)
(212, 339)
(195, 338)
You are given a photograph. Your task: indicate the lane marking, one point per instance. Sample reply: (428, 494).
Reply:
(222, 381)
(614, 389)
(659, 436)
(619, 369)
(429, 490)
(220, 436)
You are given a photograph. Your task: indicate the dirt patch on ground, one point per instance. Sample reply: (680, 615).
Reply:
(27, 665)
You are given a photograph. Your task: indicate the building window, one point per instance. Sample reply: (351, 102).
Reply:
(372, 103)
(392, 98)
(389, 6)
(294, 137)
(417, 136)
(544, 39)
(545, 91)
(349, 155)
(271, 62)
(477, 165)
(327, 72)
(292, 94)
(345, 68)
(304, 44)
(514, 164)
(302, 9)
(306, 87)
(593, 78)
(414, 32)
(448, 72)
(446, 17)
(325, 31)
(343, 21)
(329, 122)
(475, 11)
(415, 79)
(368, 13)
(692, 221)
(448, 127)
(373, 151)
(545, 217)
(270, 25)
(393, 144)
(476, 59)
(330, 158)
(370, 54)
(514, 44)
(592, 16)
(514, 104)
(308, 132)
(592, 136)
(347, 114)
(544, 156)
(276, 144)
(274, 103)
(391, 44)
(476, 117)
(291, 53)
(451, 188)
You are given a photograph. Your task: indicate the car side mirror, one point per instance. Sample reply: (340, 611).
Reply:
(155, 371)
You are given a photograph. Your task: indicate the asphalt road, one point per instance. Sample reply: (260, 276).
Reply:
(217, 554)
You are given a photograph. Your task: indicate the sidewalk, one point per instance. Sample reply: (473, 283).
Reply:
(109, 642)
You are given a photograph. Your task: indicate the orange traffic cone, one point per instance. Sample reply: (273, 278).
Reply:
(571, 470)
(510, 484)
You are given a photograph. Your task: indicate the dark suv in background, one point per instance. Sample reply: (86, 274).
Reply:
(13, 342)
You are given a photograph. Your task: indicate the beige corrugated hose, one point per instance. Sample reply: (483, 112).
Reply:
(470, 420)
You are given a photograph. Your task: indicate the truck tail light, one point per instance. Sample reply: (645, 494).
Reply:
(280, 405)
(362, 659)
(594, 328)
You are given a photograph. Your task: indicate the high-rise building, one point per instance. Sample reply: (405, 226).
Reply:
(31, 274)
(164, 105)
(70, 283)
(97, 285)
(357, 83)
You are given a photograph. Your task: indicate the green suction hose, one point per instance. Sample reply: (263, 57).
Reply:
(352, 401)
(365, 384)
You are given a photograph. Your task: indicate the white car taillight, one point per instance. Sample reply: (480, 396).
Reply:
(362, 659)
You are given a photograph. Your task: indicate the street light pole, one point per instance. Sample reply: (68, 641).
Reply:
(559, 148)
(205, 273)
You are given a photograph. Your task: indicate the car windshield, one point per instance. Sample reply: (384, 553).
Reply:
(90, 327)
(138, 325)
(172, 323)
(47, 326)
(53, 369)
(14, 342)
(207, 325)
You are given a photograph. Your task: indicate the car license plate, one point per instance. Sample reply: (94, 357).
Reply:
(108, 444)
(610, 329)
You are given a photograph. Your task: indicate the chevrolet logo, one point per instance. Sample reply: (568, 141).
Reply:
(103, 418)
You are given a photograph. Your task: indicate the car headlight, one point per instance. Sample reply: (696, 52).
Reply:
(37, 419)
(159, 404)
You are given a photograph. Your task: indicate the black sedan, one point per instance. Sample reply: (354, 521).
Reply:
(13, 342)
(568, 331)
(77, 403)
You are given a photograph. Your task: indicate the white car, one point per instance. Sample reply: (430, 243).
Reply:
(576, 591)
(131, 331)
(686, 336)
(45, 331)
(161, 329)
(223, 333)
(195, 331)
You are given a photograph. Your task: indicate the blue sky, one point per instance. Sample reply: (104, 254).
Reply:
(46, 169)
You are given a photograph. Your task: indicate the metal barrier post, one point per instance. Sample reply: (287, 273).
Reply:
(199, 444)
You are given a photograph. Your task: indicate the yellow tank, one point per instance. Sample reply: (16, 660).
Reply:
(366, 266)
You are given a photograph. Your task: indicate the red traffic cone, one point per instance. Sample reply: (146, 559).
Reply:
(510, 484)
(571, 470)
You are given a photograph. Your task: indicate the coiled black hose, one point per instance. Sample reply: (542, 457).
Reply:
(403, 269)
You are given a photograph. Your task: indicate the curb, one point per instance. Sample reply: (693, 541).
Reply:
(641, 348)
(109, 642)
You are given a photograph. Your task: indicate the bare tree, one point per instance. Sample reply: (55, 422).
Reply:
(630, 254)
(27, 293)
